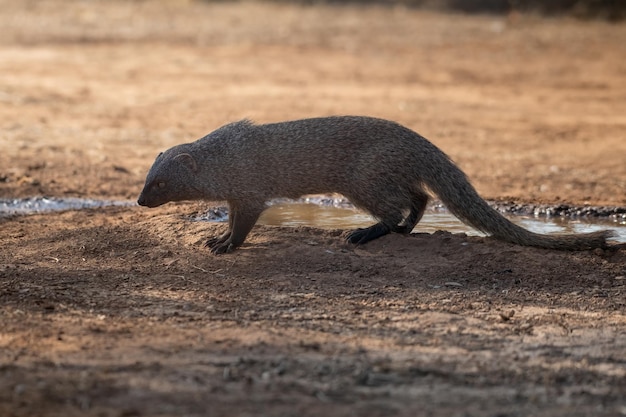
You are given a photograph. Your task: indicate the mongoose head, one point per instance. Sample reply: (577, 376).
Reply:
(171, 178)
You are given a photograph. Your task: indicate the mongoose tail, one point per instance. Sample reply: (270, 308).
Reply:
(460, 197)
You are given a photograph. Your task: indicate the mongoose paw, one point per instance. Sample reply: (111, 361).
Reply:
(355, 236)
(361, 236)
(221, 248)
(214, 241)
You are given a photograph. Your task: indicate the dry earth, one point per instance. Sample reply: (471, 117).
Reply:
(121, 312)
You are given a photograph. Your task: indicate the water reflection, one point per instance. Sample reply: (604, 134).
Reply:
(436, 218)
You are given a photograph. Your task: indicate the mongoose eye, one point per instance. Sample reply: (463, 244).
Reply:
(161, 184)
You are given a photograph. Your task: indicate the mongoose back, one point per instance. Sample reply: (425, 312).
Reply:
(380, 166)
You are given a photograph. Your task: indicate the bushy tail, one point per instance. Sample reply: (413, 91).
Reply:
(454, 189)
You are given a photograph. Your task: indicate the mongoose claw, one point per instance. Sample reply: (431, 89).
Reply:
(218, 240)
(221, 248)
(210, 243)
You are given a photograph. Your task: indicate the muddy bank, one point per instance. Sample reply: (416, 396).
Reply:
(560, 210)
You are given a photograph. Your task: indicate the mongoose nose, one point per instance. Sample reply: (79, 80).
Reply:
(141, 201)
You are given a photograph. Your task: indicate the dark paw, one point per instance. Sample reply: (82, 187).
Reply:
(211, 242)
(215, 241)
(355, 236)
(220, 248)
(361, 236)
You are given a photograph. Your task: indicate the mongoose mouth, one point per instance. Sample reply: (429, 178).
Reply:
(143, 202)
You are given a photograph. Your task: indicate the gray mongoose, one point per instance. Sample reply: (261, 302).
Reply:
(380, 166)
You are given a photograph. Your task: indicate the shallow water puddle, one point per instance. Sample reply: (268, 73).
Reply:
(330, 212)
(32, 205)
(338, 213)
(434, 219)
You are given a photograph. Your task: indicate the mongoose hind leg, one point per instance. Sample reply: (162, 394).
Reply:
(387, 223)
(392, 218)
(241, 220)
(388, 211)
(418, 206)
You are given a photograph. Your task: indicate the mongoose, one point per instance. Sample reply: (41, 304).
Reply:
(380, 166)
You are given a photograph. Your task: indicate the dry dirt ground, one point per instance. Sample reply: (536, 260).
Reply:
(122, 312)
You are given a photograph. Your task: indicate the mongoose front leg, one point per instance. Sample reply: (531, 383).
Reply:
(214, 241)
(243, 219)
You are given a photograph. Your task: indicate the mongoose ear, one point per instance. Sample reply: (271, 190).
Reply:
(187, 159)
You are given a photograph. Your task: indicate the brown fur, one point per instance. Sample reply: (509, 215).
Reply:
(381, 166)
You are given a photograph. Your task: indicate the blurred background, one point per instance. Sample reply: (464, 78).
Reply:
(604, 9)
(526, 96)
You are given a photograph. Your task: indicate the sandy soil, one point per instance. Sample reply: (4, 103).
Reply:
(121, 312)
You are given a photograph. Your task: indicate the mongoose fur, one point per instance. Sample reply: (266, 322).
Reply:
(380, 166)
